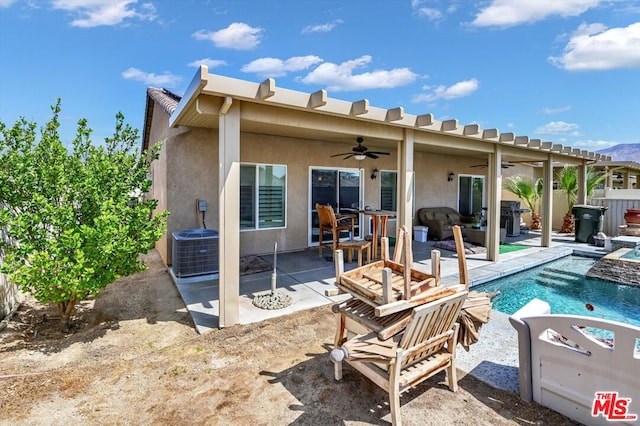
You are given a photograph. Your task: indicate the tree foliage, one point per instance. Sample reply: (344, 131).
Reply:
(76, 219)
(530, 192)
(567, 178)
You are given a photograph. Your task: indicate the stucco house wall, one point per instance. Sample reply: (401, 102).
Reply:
(187, 171)
(282, 127)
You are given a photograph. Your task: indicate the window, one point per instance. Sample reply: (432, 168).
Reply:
(263, 193)
(388, 190)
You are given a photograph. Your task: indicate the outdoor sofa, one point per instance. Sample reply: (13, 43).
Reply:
(440, 221)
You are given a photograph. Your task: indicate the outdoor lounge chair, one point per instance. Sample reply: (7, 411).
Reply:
(426, 347)
(333, 224)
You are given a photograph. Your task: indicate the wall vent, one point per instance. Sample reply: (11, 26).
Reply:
(195, 252)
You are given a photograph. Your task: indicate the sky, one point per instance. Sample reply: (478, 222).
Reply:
(564, 71)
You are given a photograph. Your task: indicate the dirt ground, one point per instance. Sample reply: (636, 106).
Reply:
(134, 357)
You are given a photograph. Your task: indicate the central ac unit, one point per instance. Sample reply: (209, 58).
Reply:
(195, 252)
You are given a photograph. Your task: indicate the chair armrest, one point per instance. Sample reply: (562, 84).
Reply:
(345, 217)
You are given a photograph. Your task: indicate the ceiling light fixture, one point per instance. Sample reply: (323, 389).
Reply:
(359, 157)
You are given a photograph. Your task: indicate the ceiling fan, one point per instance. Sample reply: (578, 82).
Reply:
(361, 152)
(484, 165)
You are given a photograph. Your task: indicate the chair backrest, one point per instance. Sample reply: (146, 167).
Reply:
(326, 215)
(462, 256)
(431, 326)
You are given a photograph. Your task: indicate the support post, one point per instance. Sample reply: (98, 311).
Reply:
(229, 214)
(495, 194)
(406, 182)
(547, 201)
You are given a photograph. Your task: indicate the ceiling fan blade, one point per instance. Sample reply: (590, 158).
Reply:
(347, 156)
(378, 152)
(344, 153)
(503, 165)
(371, 155)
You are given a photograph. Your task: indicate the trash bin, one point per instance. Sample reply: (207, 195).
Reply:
(588, 222)
(420, 233)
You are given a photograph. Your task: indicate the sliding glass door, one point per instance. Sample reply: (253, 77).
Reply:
(339, 188)
(470, 195)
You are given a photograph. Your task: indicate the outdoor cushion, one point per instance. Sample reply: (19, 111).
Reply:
(442, 217)
(454, 218)
(429, 215)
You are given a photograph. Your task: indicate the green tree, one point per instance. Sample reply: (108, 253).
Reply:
(530, 191)
(76, 219)
(567, 178)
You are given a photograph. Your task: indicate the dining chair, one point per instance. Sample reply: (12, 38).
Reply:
(334, 225)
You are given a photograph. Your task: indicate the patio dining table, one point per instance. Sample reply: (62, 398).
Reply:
(379, 229)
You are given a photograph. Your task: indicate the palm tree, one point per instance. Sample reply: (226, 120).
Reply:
(567, 178)
(530, 191)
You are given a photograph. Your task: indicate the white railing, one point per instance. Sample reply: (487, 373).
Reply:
(567, 360)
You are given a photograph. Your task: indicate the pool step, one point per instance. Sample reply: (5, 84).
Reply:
(553, 278)
(564, 272)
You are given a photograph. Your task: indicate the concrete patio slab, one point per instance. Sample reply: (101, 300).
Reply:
(305, 277)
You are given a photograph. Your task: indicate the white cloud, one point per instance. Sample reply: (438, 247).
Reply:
(508, 13)
(430, 13)
(322, 28)
(458, 90)
(340, 77)
(595, 47)
(94, 13)
(6, 3)
(274, 67)
(162, 80)
(549, 111)
(210, 63)
(433, 10)
(238, 36)
(558, 128)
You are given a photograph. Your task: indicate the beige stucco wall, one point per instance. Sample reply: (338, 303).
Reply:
(299, 156)
(188, 170)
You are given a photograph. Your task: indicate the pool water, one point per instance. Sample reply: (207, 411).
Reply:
(562, 284)
(632, 254)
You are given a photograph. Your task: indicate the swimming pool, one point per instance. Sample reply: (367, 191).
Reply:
(632, 254)
(562, 284)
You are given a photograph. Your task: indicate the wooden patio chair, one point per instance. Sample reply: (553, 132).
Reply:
(426, 347)
(333, 224)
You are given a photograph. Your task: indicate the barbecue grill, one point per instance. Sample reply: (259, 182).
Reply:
(510, 212)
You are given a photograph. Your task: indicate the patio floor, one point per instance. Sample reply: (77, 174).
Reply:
(305, 276)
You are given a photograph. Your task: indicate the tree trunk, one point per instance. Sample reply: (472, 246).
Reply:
(568, 224)
(536, 221)
(66, 309)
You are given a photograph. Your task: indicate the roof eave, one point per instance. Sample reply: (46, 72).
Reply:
(190, 96)
(266, 93)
